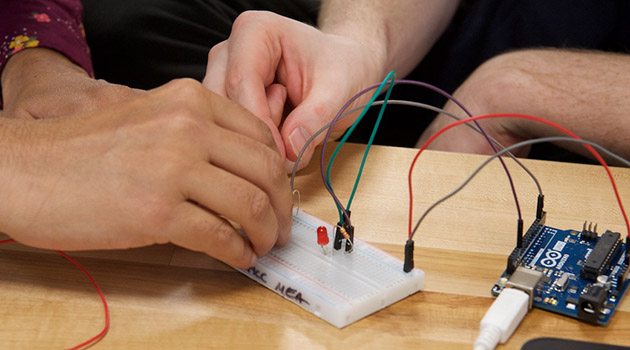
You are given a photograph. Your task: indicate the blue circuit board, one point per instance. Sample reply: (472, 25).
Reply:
(560, 255)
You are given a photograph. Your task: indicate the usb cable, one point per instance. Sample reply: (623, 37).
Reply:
(501, 320)
(509, 309)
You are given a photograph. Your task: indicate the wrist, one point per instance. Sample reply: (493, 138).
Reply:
(34, 66)
(372, 39)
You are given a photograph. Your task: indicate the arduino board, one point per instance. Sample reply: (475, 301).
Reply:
(576, 273)
(338, 286)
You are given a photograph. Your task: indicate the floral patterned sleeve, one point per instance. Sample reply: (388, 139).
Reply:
(53, 24)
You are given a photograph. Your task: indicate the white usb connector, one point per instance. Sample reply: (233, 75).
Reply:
(501, 320)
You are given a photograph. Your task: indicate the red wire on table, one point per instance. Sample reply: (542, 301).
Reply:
(97, 337)
(521, 116)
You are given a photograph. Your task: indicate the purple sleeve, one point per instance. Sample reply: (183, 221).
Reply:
(53, 24)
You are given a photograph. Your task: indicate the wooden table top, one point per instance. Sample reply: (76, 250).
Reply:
(164, 297)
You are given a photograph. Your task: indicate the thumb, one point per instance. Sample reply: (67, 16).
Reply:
(302, 123)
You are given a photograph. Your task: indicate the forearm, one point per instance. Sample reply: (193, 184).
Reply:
(400, 32)
(586, 92)
(41, 83)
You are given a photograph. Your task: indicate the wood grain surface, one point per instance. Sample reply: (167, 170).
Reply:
(165, 297)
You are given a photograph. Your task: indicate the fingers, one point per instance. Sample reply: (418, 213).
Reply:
(197, 229)
(304, 121)
(236, 199)
(261, 167)
(215, 70)
(276, 136)
(235, 118)
(254, 52)
(217, 110)
(276, 97)
(239, 173)
(319, 72)
(232, 117)
(243, 68)
(269, 110)
(158, 155)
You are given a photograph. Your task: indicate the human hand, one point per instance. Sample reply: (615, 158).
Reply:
(269, 59)
(39, 83)
(584, 91)
(490, 89)
(464, 139)
(166, 166)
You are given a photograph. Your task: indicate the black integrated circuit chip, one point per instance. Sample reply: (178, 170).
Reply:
(600, 258)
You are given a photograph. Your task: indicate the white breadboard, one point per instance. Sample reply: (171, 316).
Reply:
(339, 287)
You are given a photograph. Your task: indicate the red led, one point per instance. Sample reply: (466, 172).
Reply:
(322, 235)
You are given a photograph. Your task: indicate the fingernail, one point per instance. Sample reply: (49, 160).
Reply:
(253, 260)
(298, 138)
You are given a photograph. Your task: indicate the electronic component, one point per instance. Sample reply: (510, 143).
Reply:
(339, 287)
(322, 238)
(623, 275)
(344, 231)
(322, 235)
(550, 300)
(349, 236)
(580, 278)
(561, 283)
(526, 280)
(590, 233)
(571, 303)
(515, 257)
(338, 236)
(591, 303)
(408, 266)
(600, 258)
